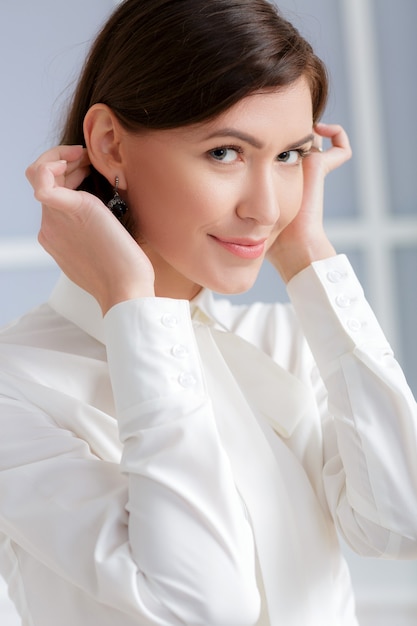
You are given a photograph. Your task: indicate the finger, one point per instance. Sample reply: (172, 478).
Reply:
(45, 175)
(75, 156)
(65, 174)
(74, 179)
(63, 153)
(317, 143)
(334, 132)
(77, 170)
(340, 150)
(49, 192)
(82, 161)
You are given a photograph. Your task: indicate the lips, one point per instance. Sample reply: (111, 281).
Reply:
(242, 247)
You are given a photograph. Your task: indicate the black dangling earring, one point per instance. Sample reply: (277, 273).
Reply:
(116, 205)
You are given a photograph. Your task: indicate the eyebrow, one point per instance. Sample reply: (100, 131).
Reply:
(233, 132)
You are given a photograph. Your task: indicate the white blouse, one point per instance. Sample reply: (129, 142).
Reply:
(175, 464)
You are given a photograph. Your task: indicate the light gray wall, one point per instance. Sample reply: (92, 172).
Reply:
(42, 47)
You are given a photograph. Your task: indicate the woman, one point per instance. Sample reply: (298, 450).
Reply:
(168, 458)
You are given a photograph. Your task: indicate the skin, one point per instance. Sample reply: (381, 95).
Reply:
(210, 201)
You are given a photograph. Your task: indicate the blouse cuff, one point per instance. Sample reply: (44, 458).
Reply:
(334, 314)
(152, 352)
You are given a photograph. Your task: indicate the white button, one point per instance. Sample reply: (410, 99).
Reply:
(169, 320)
(334, 276)
(354, 325)
(186, 380)
(343, 301)
(179, 351)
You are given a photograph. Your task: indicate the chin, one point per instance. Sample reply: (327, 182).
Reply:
(233, 286)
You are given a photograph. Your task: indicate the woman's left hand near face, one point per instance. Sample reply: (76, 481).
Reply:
(82, 235)
(304, 239)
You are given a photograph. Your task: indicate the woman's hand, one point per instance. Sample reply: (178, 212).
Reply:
(304, 240)
(82, 235)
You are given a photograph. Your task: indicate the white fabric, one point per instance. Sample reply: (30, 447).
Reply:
(174, 465)
(8, 613)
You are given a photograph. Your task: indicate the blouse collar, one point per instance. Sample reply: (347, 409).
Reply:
(83, 310)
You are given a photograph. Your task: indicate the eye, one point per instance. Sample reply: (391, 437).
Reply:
(292, 156)
(225, 154)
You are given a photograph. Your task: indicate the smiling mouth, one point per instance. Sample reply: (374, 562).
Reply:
(243, 248)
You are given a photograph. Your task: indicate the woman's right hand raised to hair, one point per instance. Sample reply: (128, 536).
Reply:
(89, 244)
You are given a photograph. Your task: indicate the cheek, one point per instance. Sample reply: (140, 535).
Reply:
(180, 203)
(165, 215)
(291, 198)
(297, 199)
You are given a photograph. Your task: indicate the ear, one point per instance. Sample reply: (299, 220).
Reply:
(102, 132)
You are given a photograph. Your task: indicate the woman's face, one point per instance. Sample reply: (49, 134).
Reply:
(208, 200)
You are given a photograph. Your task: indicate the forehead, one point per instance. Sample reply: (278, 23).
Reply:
(272, 117)
(287, 110)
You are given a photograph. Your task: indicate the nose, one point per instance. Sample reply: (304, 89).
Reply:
(259, 200)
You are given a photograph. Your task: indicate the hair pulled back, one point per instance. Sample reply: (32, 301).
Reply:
(162, 64)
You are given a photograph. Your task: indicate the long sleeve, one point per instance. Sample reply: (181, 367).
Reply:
(154, 472)
(160, 539)
(187, 530)
(370, 430)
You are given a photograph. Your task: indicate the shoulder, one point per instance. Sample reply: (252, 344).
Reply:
(40, 332)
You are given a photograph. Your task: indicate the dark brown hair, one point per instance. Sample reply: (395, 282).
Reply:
(168, 63)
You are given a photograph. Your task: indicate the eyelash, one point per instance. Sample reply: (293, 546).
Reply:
(236, 149)
(302, 152)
